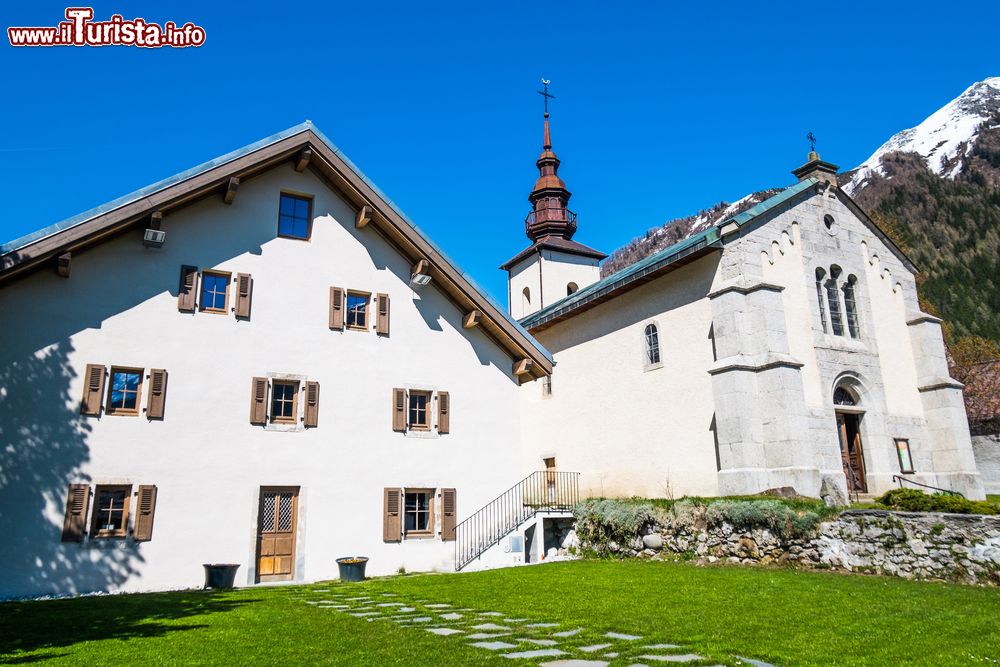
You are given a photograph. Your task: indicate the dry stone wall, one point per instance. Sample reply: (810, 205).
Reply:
(952, 547)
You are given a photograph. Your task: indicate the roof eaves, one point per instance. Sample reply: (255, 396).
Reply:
(771, 202)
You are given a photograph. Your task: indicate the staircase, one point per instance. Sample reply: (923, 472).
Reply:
(545, 490)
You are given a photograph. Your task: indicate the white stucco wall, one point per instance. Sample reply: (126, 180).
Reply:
(627, 429)
(119, 307)
(547, 275)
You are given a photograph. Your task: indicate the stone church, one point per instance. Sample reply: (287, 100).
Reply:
(262, 362)
(781, 347)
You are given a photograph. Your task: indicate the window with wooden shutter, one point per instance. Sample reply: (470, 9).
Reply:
(382, 319)
(145, 508)
(336, 308)
(311, 417)
(399, 410)
(109, 518)
(392, 530)
(157, 393)
(448, 514)
(444, 412)
(244, 293)
(75, 522)
(258, 401)
(93, 390)
(187, 289)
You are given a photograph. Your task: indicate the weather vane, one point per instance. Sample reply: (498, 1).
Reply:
(546, 94)
(812, 142)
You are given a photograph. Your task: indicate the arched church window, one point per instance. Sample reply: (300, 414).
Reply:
(571, 288)
(851, 307)
(652, 345)
(820, 274)
(842, 396)
(526, 299)
(833, 301)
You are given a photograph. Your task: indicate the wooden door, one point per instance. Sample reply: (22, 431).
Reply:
(550, 480)
(278, 516)
(852, 452)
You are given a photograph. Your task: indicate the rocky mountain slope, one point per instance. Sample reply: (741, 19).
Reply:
(936, 188)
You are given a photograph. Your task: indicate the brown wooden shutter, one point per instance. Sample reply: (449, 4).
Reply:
(188, 289)
(244, 293)
(157, 393)
(75, 522)
(311, 417)
(93, 390)
(145, 508)
(336, 308)
(382, 321)
(399, 410)
(448, 514)
(258, 401)
(392, 519)
(444, 412)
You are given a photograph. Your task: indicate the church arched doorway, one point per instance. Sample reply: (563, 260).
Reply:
(846, 403)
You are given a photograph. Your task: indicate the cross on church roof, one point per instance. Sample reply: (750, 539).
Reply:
(546, 94)
(812, 141)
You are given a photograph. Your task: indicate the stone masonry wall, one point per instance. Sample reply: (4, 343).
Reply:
(953, 547)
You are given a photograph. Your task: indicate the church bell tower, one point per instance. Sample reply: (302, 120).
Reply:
(554, 265)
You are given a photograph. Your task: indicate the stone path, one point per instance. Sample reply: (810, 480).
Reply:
(518, 638)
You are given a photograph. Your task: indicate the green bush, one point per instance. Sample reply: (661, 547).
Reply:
(912, 500)
(603, 520)
(774, 515)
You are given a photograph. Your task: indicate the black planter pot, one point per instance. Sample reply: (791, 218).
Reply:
(352, 571)
(220, 575)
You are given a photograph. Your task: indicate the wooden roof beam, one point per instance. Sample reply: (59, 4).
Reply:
(63, 264)
(231, 187)
(303, 160)
(472, 319)
(364, 217)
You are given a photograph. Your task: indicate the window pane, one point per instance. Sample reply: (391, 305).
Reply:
(302, 208)
(287, 205)
(301, 228)
(286, 225)
(267, 512)
(285, 512)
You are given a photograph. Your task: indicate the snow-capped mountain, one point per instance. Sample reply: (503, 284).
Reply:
(943, 140)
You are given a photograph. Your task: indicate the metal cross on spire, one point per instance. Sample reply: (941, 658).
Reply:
(812, 142)
(546, 95)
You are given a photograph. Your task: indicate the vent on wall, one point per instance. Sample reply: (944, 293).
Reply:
(154, 238)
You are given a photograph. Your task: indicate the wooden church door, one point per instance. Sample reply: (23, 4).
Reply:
(278, 513)
(851, 452)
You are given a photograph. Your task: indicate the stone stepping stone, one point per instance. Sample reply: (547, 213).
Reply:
(364, 614)
(576, 663)
(389, 595)
(488, 613)
(515, 620)
(685, 657)
(542, 642)
(567, 633)
(389, 604)
(610, 655)
(488, 635)
(420, 619)
(444, 632)
(539, 653)
(451, 616)
(593, 648)
(755, 663)
(437, 606)
(321, 590)
(493, 646)
(542, 625)
(312, 601)
(491, 626)
(659, 647)
(359, 599)
(623, 637)
(406, 610)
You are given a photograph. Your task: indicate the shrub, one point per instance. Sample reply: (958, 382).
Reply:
(912, 500)
(600, 521)
(771, 514)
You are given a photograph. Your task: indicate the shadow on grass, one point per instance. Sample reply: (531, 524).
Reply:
(32, 626)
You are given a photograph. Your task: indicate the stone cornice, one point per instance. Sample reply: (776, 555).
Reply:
(756, 364)
(745, 288)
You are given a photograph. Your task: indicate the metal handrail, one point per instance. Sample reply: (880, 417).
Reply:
(542, 490)
(900, 479)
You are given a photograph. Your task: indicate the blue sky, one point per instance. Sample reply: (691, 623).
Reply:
(661, 109)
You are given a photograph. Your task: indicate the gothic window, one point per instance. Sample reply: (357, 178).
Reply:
(851, 307)
(571, 288)
(842, 396)
(652, 345)
(833, 301)
(820, 274)
(526, 299)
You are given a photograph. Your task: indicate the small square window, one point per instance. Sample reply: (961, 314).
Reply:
(294, 216)
(125, 390)
(357, 310)
(903, 452)
(284, 401)
(110, 515)
(215, 292)
(418, 514)
(419, 410)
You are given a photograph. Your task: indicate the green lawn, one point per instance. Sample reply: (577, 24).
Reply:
(781, 616)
